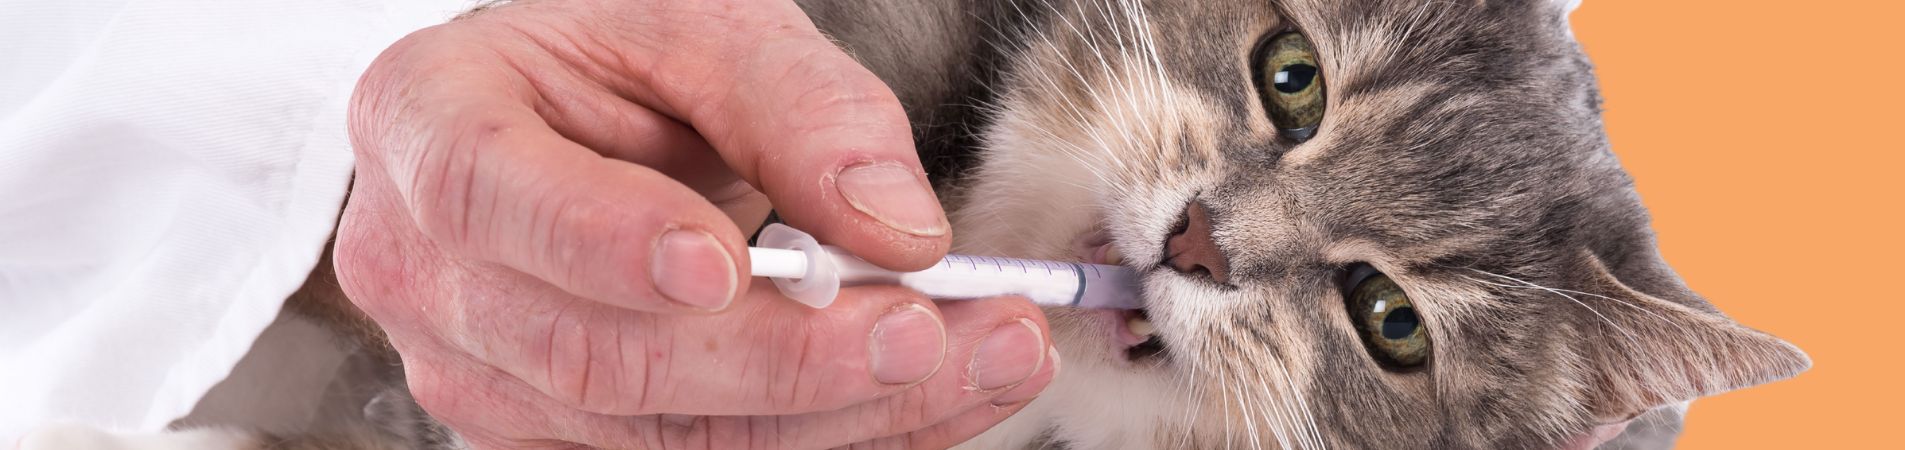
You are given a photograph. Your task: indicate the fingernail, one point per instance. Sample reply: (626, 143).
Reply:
(1029, 390)
(1008, 356)
(690, 267)
(894, 195)
(907, 345)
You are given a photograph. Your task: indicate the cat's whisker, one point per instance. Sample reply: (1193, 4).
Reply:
(1150, 79)
(1125, 54)
(1279, 390)
(1068, 146)
(1272, 417)
(1224, 384)
(1157, 62)
(1281, 396)
(1141, 21)
(1192, 376)
(1078, 154)
(1089, 37)
(1078, 116)
(1269, 408)
(1625, 333)
(1616, 301)
(1315, 436)
(1070, 150)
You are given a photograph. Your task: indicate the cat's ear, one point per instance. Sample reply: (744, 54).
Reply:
(1567, 6)
(1649, 351)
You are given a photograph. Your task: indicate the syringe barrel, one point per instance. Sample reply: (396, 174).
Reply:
(812, 274)
(970, 277)
(1049, 283)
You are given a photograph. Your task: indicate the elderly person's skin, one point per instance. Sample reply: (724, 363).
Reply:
(545, 217)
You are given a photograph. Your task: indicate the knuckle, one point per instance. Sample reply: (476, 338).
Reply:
(371, 275)
(386, 91)
(909, 410)
(809, 386)
(576, 237)
(834, 86)
(680, 432)
(644, 391)
(915, 411)
(564, 357)
(584, 366)
(443, 177)
(435, 393)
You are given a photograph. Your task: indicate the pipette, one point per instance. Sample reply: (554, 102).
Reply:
(812, 274)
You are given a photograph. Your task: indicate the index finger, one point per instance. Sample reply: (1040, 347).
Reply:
(791, 113)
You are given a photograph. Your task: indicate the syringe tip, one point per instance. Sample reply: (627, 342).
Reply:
(819, 283)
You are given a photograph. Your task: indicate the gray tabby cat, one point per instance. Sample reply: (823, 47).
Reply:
(1361, 223)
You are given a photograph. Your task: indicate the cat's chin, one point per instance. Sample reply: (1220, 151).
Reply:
(1127, 336)
(1129, 333)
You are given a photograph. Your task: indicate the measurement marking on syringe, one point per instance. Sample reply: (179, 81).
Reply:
(810, 273)
(1080, 294)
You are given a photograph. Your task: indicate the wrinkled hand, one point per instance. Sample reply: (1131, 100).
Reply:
(544, 222)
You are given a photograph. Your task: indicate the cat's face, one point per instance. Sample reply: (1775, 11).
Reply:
(1362, 224)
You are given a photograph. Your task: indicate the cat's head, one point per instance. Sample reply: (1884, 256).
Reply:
(1367, 224)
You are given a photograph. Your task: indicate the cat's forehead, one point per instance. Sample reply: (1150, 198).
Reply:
(1452, 128)
(1450, 125)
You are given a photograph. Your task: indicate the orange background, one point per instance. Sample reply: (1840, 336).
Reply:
(1765, 137)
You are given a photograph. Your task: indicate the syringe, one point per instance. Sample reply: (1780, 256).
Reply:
(812, 274)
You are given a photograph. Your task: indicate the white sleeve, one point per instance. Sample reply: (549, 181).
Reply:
(169, 172)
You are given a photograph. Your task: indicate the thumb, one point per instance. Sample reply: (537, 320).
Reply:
(820, 135)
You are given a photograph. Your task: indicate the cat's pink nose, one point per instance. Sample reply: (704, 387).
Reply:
(1190, 250)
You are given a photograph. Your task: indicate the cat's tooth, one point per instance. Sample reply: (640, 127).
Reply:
(1112, 257)
(1139, 326)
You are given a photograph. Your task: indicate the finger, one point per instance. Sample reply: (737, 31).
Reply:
(619, 129)
(808, 360)
(590, 114)
(947, 409)
(824, 138)
(483, 176)
(511, 414)
(875, 342)
(923, 417)
(581, 108)
(827, 140)
(961, 428)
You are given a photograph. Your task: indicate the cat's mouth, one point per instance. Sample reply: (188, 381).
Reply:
(1131, 332)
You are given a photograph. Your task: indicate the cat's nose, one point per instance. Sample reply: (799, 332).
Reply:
(1190, 249)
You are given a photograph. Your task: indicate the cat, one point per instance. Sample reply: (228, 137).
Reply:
(1361, 224)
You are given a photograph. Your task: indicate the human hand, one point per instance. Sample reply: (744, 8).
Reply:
(543, 222)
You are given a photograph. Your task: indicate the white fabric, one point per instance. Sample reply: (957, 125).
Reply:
(169, 172)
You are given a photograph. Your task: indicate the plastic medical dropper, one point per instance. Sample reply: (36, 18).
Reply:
(812, 274)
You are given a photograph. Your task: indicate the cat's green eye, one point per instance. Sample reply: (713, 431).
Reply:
(1391, 327)
(1291, 85)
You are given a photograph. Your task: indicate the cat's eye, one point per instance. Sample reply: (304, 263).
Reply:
(1390, 325)
(1291, 85)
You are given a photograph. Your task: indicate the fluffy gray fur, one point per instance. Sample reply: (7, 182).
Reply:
(1462, 154)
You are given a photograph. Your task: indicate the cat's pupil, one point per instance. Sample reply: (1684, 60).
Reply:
(1295, 78)
(1400, 323)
